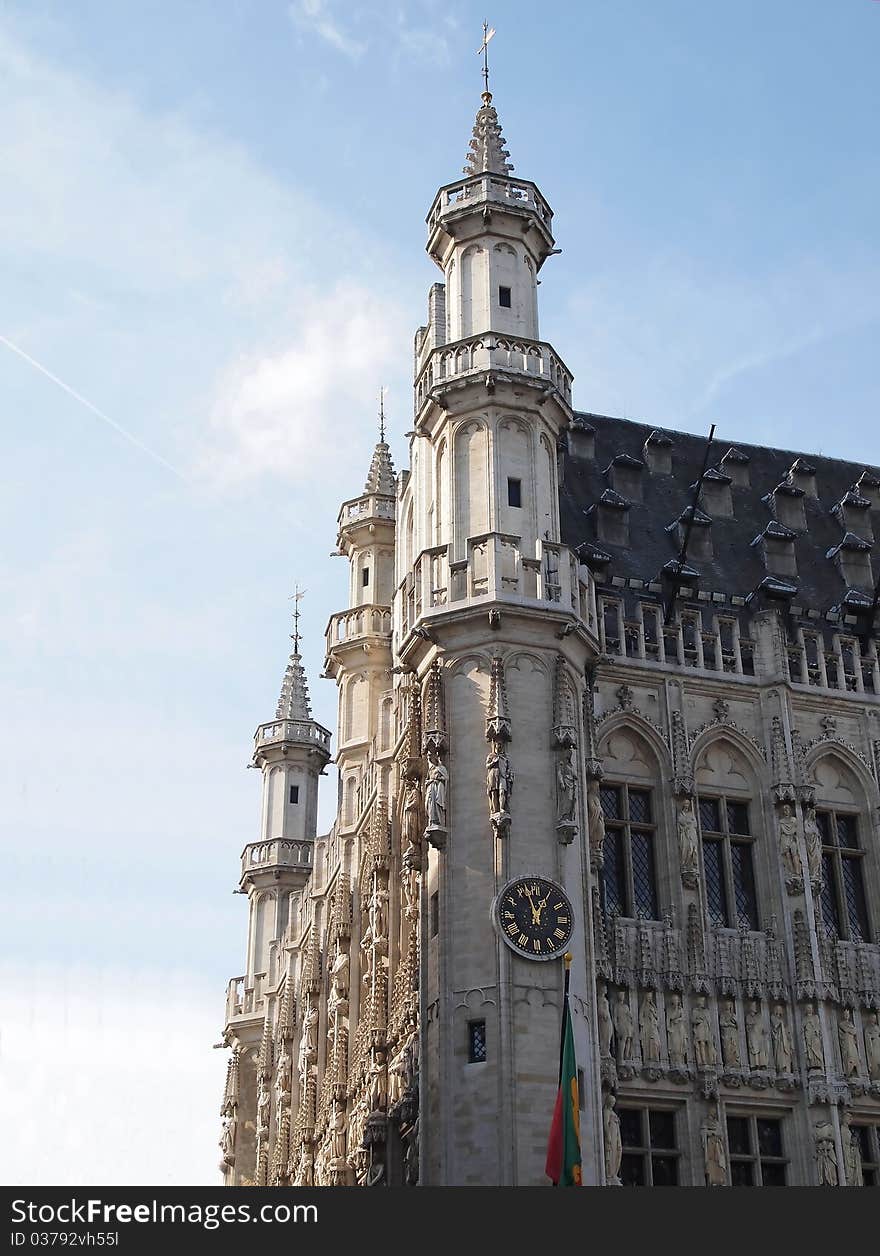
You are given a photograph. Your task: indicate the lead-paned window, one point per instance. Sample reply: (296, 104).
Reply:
(756, 1150)
(844, 909)
(650, 1150)
(728, 863)
(868, 1138)
(630, 880)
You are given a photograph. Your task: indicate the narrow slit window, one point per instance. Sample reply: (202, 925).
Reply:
(504, 298)
(476, 1042)
(365, 576)
(435, 914)
(514, 492)
(294, 793)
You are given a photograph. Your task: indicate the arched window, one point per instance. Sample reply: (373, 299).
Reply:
(839, 819)
(631, 810)
(728, 821)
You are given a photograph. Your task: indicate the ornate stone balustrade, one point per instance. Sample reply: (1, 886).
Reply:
(371, 506)
(489, 187)
(243, 1000)
(280, 851)
(496, 570)
(491, 351)
(291, 730)
(361, 621)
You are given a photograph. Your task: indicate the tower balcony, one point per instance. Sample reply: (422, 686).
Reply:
(299, 732)
(279, 853)
(496, 571)
(245, 1000)
(356, 629)
(517, 196)
(363, 509)
(531, 361)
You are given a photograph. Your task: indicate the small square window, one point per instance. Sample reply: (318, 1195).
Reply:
(514, 492)
(294, 793)
(504, 298)
(365, 576)
(476, 1042)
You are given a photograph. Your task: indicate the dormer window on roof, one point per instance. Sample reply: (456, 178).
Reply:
(802, 474)
(736, 464)
(786, 503)
(852, 557)
(624, 474)
(853, 513)
(700, 540)
(868, 485)
(612, 518)
(777, 548)
(715, 493)
(658, 453)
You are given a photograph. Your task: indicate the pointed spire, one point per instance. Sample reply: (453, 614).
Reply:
(293, 703)
(380, 478)
(488, 154)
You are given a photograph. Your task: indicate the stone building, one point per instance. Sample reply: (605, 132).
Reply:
(591, 660)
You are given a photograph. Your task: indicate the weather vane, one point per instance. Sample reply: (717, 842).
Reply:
(488, 32)
(382, 414)
(296, 598)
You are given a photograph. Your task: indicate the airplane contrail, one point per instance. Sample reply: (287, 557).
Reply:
(84, 401)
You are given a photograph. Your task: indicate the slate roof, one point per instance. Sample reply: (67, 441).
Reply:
(737, 566)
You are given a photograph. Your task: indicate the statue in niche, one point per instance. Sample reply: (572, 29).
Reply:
(339, 971)
(872, 1047)
(714, 1153)
(606, 1028)
(282, 1075)
(378, 1082)
(379, 914)
(701, 1031)
(847, 1036)
(852, 1152)
(729, 1034)
(227, 1139)
(264, 1105)
(499, 780)
(566, 788)
(826, 1156)
(780, 1039)
(623, 1026)
(814, 846)
(756, 1037)
(613, 1142)
(336, 1125)
(813, 1039)
(596, 821)
(410, 889)
(308, 1043)
(676, 1032)
(788, 847)
(412, 810)
(411, 1156)
(368, 943)
(305, 1169)
(435, 792)
(688, 841)
(649, 1032)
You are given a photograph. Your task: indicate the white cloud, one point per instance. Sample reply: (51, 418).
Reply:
(416, 31)
(316, 15)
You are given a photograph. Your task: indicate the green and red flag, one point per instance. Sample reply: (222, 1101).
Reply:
(563, 1166)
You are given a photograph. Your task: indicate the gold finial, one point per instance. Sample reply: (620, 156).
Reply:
(488, 32)
(296, 597)
(568, 957)
(382, 415)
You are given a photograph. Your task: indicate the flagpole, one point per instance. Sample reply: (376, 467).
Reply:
(567, 958)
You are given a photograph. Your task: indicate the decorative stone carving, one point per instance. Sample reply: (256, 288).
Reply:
(613, 1142)
(499, 785)
(264, 1108)
(729, 1035)
(677, 1033)
(564, 708)
(596, 824)
(337, 1126)
(605, 1025)
(872, 1046)
(848, 1038)
(703, 1037)
(308, 1045)
(756, 1038)
(783, 787)
(826, 1155)
(813, 840)
(592, 762)
(649, 1030)
(788, 850)
(566, 796)
(683, 778)
(714, 1151)
(305, 1169)
(623, 1027)
(412, 825)
(688, 842)
(227, 1140)
(812, 1031)
(437, 782)
(852, 1152)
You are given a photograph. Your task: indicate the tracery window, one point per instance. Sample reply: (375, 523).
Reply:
(844, 909)
(757, 1153)
(650, 1150)
(629, 874)
(727, 862)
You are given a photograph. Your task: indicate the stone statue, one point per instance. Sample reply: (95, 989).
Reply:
(606, 1028)
(813, 1039)
(729, 1035)
(872, 1047)
(847, 1036)
(623, 1026)
(337, 1133)
(756, 1037)
(499, 779)
(264, 1105)
(412, 809)
(282, 1074)
(714, 1153)
(368, 943)
(411, 1156)
(378, 1083)
(566, 788)
(337, 1005)
(688, 840)
(704, 1040)
(613, 1144)
(227, 1140)
(780, 1039)
(308, 1043)
(339, 971)
(379, 913)
(852, 1152)
(676, 1032)
(410, 888)
(788, 846)
(435, 793)
(649, 1030)
(596, 820)
(814, 846)
(826, 1156)
(305, 1169)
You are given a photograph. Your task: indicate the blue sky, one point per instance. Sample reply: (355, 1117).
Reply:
(212, 229)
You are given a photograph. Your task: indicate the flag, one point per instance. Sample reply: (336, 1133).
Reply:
(563, 1166)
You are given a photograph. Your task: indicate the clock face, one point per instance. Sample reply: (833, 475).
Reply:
(535, 917)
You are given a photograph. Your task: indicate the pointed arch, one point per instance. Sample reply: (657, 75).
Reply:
(834, 749)
(740, 740)
(632, 719)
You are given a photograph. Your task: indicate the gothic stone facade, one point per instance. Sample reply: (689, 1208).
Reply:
(536, 677)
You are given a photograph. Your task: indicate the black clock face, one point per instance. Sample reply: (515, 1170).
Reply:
(535, 917)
